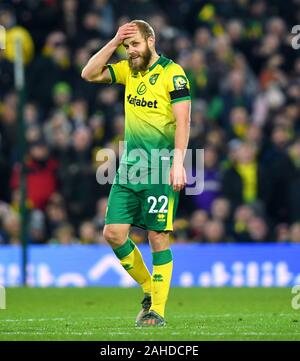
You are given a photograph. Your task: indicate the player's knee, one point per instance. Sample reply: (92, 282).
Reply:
(111, 236)
(159, 241)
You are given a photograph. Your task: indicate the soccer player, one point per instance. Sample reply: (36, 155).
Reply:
(157, 117)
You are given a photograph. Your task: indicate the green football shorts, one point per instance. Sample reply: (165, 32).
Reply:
(148, 206)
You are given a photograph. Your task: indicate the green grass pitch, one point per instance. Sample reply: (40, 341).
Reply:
(108, 314)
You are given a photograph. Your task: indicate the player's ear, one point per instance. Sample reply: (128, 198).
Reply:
(151, 41)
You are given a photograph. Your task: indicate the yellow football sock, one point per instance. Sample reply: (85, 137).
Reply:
(132, 261)
(161, 280)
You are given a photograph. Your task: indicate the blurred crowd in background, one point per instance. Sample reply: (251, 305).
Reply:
(245, 86)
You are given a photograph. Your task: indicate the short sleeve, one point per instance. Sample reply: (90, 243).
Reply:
(118, 72)
(177, 83)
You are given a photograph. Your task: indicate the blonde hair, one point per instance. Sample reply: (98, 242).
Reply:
(145, 29)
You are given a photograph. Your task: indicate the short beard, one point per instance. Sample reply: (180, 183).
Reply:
(145, 57)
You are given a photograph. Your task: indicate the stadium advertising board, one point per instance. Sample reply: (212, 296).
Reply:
(230, 265)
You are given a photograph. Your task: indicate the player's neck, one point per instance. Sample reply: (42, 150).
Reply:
(153, 59)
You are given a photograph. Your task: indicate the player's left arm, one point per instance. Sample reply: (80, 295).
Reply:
(179, 90)
(181, 111)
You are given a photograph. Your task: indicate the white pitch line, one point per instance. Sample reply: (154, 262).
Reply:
(127, 333)
(243, 334)
(34, 319)
(182, 316)
(64, 319)
(108, 318)
(235, 315)
(195, 315)
(45, 333)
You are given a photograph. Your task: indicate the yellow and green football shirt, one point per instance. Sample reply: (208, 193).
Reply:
(149, 120)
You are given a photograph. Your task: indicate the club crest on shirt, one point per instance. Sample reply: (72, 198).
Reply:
(141, 89)
(153, 78)
(180, 82)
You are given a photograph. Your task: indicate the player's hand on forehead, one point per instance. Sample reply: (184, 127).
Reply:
(126, 31)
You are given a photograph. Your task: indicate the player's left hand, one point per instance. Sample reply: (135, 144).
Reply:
(177, 177)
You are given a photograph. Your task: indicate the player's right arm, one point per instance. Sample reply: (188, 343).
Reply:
(96, 70)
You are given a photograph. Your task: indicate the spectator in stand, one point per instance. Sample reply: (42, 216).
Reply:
(242, 216)
(100, 213)
(295, 233)
(257, 230)
(282, 233)
(280, 170)
(180, 232)
(220, 211)
(78, 175)
(214, 232)
(13, 32)
(212, 181)
(37, 227)
(12, 228)
(87, 233)
(64, 235)
(201, 79)
(239, 123)
(52, 66)
(41, 169)
(61, 96)
(245, 181)
(56, 213)
(234, 96)
(198, 221)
